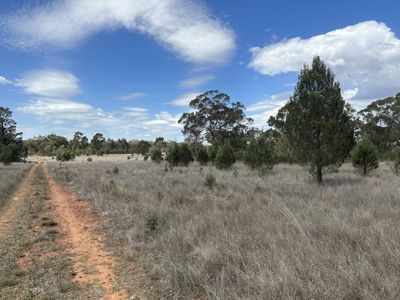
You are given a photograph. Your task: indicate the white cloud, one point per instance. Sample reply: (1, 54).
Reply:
(196, 82)
(49, 83)
(4, 81)
(365, 57)
(132, 96)
(184, 100)
(136, 112)
(183, 26)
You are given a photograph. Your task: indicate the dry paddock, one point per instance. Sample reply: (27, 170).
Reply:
(278, 236)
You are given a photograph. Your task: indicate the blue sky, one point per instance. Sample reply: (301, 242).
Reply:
(128, 68)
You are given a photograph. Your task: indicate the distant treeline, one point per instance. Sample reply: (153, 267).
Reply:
(316, 127)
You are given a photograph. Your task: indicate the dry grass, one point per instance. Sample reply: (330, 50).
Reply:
(10, 176)
(251, 237)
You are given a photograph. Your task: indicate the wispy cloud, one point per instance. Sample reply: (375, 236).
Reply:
(4, 81)
(365, 57)
(184, 27)
(196, 82)
(184, 100)
(132, 96)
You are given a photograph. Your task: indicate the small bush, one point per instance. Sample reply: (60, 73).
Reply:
(179, 155)
(225, 157)
(155, 154)
(260, 154)
(365, 156)
(212, 153)
(129, 157)
(202, 156)
(89, 159)
(210, 180)
(115, 170)
(64, 155)
(145, 157)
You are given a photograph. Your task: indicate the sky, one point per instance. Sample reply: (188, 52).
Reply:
(129, 68)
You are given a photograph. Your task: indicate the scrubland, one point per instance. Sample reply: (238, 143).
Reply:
(279, 236)
(10, 176)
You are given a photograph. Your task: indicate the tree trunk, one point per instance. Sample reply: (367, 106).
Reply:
(319, 175)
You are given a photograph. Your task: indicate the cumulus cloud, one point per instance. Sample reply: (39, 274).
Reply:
(365, 58)
(196, 82)
(184, 100)
(184, 26)
(49, 83)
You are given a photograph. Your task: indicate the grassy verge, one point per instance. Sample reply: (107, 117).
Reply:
(32, 264)
(10, 178)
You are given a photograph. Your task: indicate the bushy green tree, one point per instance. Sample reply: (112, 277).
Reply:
(316, 121)
(260, 154)
(202, 156)
(11, 146)
(212, 153)
(179, 154)
(64, 154)
(365, 156)
(155, 154)
(225, 157)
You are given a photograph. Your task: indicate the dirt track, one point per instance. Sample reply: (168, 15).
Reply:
(93, 265)
(11, 207)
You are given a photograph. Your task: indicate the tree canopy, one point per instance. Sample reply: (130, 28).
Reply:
(316, 121)
(216, 119)
(11, 146)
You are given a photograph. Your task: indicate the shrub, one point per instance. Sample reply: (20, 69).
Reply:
(212, 153)
(202, 156)
(365, 156)
(155, 154)
(260, 154)
(10, 153)
(129, 157)
(145, 157)
(179, 155)
(115, 170)
(210, 180)
(225, 157)
(89, 159)
(64, 155)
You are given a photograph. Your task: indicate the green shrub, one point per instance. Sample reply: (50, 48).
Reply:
(64, 155)
(179, 155)
(210, 180)
(89, 159)
(212, 153)
(365, 156)
(260, 154)
(115, 170)
(225, 157)
(10, 153)
(129, 157)
(202, 156)
(145, 157)
(155, 154)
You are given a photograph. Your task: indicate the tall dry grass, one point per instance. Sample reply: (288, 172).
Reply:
(250, 237)
(9, 178)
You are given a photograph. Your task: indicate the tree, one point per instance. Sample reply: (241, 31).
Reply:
(216, 119)
(316, 121)
(155, 154)
(381, 122)
(225, 157)
(179, 154)
(365, 156)
(97, 143)
(11, 146)
(396, 162)
(260, 154)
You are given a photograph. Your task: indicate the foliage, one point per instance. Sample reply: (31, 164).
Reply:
(225, 157)
(365, 156)
(11, 146)
(97, 144)
(210, 180)
(64, 154)
(179, 154)
(212, 153)
(202, 156)
(216, 119)
(260, 154)
(316, 121)
(381, 122)
(155, 154)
